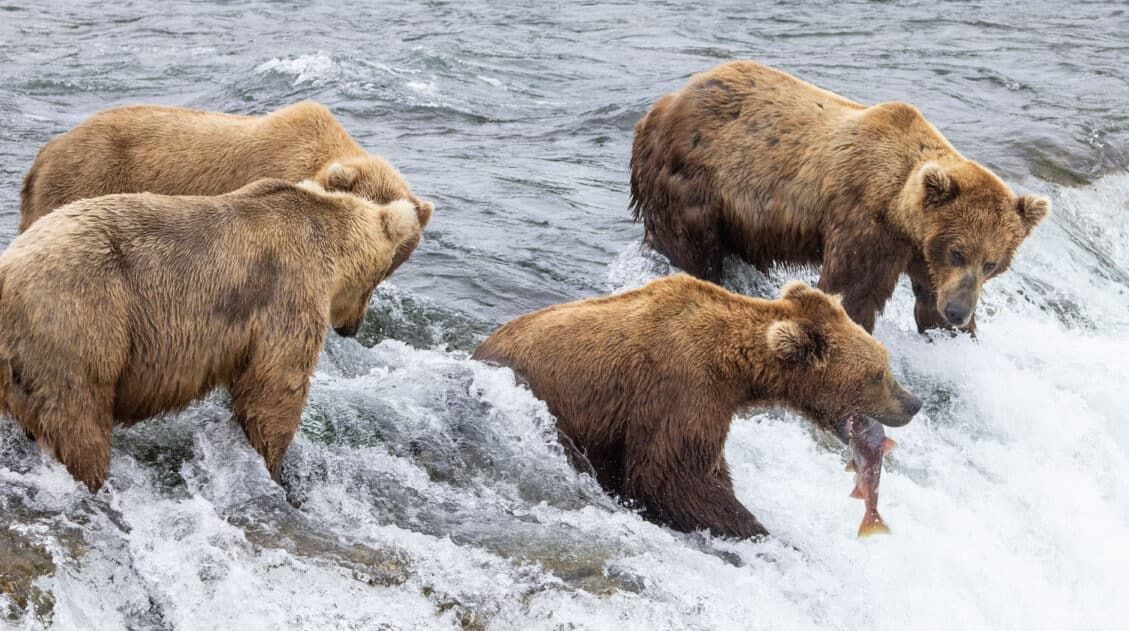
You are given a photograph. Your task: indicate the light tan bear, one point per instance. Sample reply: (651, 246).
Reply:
(179, 151)
(645, 384)
(122, 307)
(751, 161)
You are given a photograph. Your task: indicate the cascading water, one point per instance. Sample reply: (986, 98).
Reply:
(429, 491)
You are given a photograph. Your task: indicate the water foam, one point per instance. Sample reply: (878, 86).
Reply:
(1012, 480)
(313, 68)
(426, 490)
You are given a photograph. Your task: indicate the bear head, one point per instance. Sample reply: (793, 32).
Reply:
(830, 368)
(374, 179)
(398, 223)
(974, 224)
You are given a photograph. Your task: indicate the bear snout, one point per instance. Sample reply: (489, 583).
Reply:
(957, 312)
(957, 301)
(905, 407)
(911, 404)
(894, 419)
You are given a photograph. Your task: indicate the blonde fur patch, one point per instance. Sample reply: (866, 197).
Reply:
(400, 220)
(312, 187)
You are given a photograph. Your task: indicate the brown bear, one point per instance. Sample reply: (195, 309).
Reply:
(122, 307)
(751, 161)
(179, 151)
(644, 384)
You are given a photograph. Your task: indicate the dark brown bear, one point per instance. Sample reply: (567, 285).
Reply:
(751, 161)
(645, 384)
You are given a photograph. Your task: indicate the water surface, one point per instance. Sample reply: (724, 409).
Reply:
(427, 491)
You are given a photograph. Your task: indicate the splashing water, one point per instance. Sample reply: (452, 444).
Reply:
(428, 491)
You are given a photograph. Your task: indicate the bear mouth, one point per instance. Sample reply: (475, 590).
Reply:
(892, 420)
(348, 330)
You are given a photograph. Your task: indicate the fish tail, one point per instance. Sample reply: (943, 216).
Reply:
(872, 524)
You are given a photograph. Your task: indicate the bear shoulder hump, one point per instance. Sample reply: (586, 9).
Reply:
(897, 114)
(306, 111)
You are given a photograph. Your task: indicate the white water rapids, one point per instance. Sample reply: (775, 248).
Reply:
(432, 493)
(426, 491)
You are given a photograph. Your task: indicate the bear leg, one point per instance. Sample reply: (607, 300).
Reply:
(688, 487)
(705, 503)
(691, 241)
(77, 427)
(268, 405)
(865, 275)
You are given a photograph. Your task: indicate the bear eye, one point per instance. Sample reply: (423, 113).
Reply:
(990, 267)
(876, 378)
(957, 258)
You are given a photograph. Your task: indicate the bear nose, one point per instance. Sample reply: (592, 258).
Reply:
(956, 314)
(912, 405)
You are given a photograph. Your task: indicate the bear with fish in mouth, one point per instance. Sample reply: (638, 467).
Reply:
(180, 151)
(644, 386)
(123, 307)
(750, 161)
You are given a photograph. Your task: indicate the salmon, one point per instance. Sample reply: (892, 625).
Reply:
(869, 446)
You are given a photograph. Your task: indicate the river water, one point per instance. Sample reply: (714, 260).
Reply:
(427, 491)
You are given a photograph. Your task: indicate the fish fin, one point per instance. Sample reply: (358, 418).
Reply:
(888, 445)
(851, 467)
(872, 524)
(858, 493)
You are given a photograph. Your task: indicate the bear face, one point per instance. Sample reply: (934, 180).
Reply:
(402, 223)
(423, 210)
(830, 367)
(348, 307)
(976, 224)
(374, 179)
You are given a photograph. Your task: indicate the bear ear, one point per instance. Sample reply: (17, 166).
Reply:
(794, 290)
(400, 220)
(797, 341)
(1032, 209)
(424, 209)
(800, 291)
(937, 185)
(340, 177)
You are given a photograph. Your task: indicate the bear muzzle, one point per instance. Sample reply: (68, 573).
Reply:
(905, 407)
(958, 304)
(958, 312)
